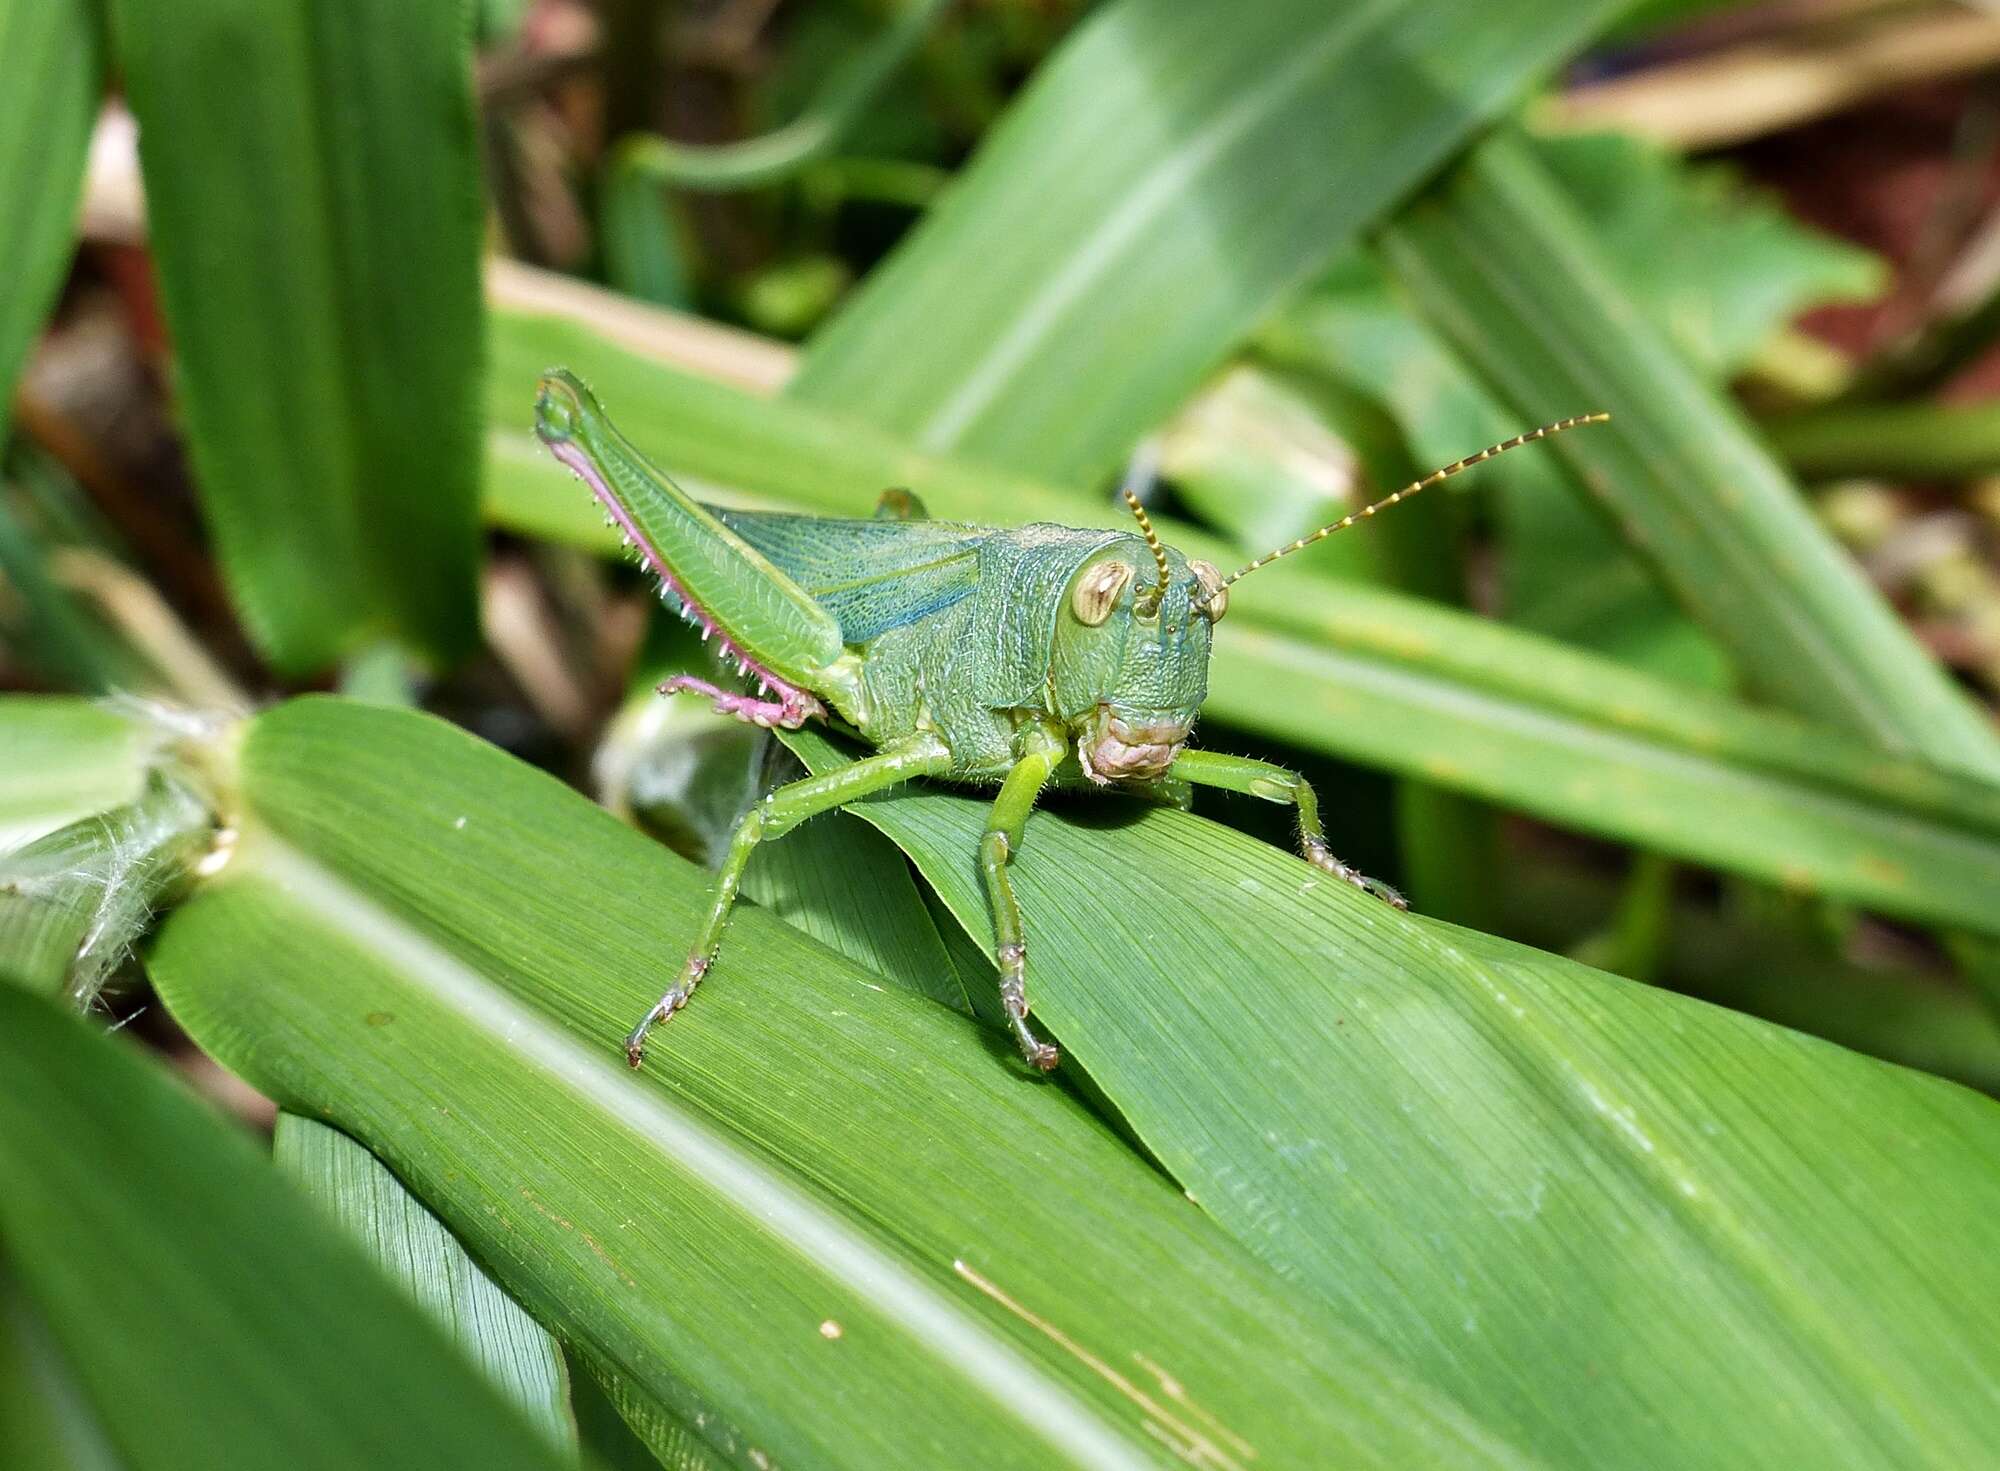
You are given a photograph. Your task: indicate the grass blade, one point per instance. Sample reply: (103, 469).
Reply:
(52, 74)
(437, 948)
(1208, 155)
(329, 405)
(1568, 1178)
(1910, 441)
(214, 1321)
(1504, 265)
(513, 1351)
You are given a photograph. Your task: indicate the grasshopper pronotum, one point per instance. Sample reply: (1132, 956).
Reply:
(1004, 658)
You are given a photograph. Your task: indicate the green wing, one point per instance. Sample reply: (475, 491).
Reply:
(872, 576)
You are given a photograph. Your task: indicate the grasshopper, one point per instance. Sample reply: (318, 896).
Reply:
(1017, 659)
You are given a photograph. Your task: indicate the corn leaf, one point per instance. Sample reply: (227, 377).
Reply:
(828, 1226)
(1618, 1222)
(1206, 155)
(1505, 266)
(312, 184)
(213, 1320)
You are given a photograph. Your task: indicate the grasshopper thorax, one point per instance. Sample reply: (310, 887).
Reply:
(1129, 663)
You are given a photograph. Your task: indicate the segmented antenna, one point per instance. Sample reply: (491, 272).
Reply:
(1402, 495)
(1148, 601)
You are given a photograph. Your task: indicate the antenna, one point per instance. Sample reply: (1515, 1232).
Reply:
(1388, 500)
(1148, 601)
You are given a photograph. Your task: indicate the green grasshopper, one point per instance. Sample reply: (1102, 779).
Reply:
(990, 657)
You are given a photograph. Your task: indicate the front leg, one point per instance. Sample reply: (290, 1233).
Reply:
(1275, 784)
(775, 815)
(1004, 831)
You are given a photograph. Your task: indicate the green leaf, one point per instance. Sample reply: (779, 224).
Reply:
(1586, 743)
(51, 73)
(829, 1224)
(45, 1421)
(1717, 266)
(357, 1191)
(1505, 266)
(1519, 1175)
(62, 759)
(212, 1319)
(1392, 681)
(1910, 441)
(1207, 157)
(312, 184)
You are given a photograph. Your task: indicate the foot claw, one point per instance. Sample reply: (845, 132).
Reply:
(662, 1012)
(635, 1040)
(1044, 1057)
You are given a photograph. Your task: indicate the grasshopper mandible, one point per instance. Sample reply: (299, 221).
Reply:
(1002, 658)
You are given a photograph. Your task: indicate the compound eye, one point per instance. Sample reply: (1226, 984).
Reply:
(1214, 597)
(1097, 592)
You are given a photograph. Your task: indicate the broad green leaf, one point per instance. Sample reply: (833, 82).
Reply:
(1501, 261)
(51, 73)
(829, 1225)
(1170, 171)
(518, 1356)
(312, 184)
(1393, 681)
(211, 1318)
(1587, 743)
(62, 759)
(1620, 1223)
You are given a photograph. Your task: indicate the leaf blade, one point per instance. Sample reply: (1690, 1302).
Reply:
(1362, 1096)
(216, 1322)
(340, 484)
(534, 972)
(51, 72)
(1192, 170)
(1502, 264)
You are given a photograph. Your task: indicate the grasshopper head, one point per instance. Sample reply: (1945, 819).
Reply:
(1130, 661)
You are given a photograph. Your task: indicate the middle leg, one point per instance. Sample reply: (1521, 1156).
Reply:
(1005, 828)
(774, 815)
